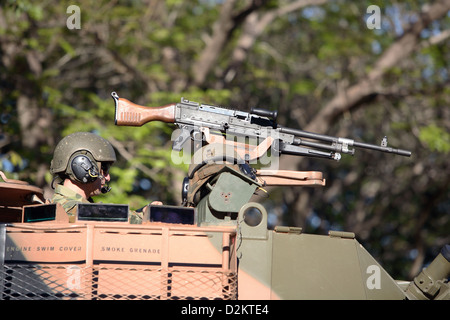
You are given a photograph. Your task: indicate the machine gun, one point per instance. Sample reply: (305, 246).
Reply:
(213, 124)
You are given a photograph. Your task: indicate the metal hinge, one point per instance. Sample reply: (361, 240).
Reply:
(341, 234)
(281, 229)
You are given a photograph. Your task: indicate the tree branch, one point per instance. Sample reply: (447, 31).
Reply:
(399, 50)
(254, 26)
(129, 157)
(222, 31)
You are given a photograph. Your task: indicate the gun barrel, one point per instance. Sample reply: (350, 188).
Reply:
(400, 152)
(307, 134)
(339, 141)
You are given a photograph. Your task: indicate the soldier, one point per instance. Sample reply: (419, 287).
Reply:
(80, 166)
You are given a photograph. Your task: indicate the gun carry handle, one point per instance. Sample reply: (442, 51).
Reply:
(290, 178)
(131, 114)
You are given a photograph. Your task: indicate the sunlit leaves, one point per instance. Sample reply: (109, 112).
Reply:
(436, 138)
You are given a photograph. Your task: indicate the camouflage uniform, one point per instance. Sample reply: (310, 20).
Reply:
(135, 217)
(69, 200)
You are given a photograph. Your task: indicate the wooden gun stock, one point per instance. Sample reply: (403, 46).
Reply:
(131, 114)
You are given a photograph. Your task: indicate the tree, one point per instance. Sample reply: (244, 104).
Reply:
(315, 61)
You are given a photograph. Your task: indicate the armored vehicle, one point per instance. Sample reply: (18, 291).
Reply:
(216, 245)
(213, 251)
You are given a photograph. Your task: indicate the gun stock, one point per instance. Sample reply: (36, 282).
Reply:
(131, 114)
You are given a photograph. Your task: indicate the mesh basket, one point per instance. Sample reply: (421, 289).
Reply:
(113, 282)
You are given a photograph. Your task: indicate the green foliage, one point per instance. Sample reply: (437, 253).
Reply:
(436, 138)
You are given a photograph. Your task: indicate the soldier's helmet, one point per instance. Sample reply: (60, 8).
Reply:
(78, 156)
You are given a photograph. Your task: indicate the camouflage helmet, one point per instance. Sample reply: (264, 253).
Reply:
(89, 144)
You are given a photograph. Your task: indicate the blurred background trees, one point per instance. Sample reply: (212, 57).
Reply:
(320, 63)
